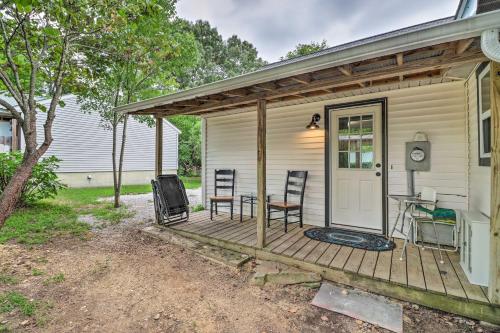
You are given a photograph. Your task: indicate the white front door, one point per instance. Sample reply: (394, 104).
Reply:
(356, 168)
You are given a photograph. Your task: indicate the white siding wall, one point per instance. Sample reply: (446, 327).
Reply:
(479, 176)
(438, 110)
(84, 145)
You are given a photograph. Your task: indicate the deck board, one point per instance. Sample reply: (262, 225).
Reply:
(318, 251)
(330, 253)
(414, 268)
(341, 257)
(450, 279)
(432, 277)
(398, 266)
(419, 268)
(354, 261)
(369, 263)
(295, 237)
(304, 252)
(472, 291)
(383, 268)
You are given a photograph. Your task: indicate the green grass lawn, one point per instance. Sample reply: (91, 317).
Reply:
(50, 218)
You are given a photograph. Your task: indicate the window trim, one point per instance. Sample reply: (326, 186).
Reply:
(484, 158)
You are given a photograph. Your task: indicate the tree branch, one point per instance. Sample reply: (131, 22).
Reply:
(55, 98)
(16, 114)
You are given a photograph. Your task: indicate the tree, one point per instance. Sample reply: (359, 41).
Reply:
(189, 144)
(218, 59)
(40, 55)
(305, 49)
(141, 60)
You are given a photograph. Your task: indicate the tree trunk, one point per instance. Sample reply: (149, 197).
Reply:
(113, 158)
(118, 187)
(13, 190)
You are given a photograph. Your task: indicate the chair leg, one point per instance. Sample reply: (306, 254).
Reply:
(241, 209)
(216, 209)
(232, 205)
(300, 217)
(441, 261)
(211, 210)
(268, 216)
(286, 220)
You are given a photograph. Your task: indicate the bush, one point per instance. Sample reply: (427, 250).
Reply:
(43, 182)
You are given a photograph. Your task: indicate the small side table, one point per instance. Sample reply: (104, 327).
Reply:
(251, 199)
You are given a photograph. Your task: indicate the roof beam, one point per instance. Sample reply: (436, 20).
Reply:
(463, 45)
(400, 62)
(408, 68)
(347, 71)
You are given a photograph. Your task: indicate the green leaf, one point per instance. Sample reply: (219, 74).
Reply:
(61, 103)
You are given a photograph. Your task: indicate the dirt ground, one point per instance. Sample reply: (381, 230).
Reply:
(120, 280)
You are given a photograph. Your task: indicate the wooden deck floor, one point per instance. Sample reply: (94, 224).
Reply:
(419, 271)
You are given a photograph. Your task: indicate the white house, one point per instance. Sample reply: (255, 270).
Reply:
(84, 146)
(419, 105)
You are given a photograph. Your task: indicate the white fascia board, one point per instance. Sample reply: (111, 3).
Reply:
(446, 32)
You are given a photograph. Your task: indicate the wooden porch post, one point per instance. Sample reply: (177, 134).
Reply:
(494, 285)
(261, 173)
(159, 146)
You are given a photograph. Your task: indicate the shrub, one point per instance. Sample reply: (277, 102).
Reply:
(43, 182)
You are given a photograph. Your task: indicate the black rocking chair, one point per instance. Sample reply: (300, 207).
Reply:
(295, 186)
(170, 200)
(224, 180)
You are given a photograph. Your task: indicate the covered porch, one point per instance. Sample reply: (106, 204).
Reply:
(406, 68)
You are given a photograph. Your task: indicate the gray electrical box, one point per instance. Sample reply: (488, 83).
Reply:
(418, 156)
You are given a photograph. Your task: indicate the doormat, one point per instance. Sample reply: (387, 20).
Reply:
(373, 309)
(359, 240)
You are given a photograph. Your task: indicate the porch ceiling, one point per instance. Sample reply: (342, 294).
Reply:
(431, 53)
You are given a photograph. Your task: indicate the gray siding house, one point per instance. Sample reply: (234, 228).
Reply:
(84, 146)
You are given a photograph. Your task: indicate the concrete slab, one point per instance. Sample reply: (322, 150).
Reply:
(374, 309)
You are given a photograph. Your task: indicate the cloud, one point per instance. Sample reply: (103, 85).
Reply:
(276, 26)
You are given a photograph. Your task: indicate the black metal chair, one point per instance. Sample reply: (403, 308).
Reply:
(170, 200)
(224, 180)
(294, 187)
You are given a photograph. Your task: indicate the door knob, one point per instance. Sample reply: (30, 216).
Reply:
(378, 174)
(378, 165)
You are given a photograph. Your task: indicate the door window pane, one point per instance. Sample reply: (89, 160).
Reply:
(354, 145)
(344, 126)
(354, 125)
(367, 160)
(344, 144)
(354, 160)
(343, 160)
(355, 142)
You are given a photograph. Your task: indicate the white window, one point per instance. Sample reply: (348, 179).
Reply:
(484, 113)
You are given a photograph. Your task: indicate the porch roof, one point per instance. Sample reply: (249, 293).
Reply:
(427, 50)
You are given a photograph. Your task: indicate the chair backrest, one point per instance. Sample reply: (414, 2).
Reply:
(224, 181)
(173, 193)
(295, 185)
(429, 194)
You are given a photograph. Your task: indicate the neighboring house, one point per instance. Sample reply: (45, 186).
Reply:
(84, 146)
(373, 96)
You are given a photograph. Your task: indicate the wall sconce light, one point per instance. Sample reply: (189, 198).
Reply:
(314, 122)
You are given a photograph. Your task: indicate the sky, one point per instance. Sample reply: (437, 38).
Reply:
(275, 27)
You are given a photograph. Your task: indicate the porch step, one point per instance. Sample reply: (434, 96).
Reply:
(213, 253)
(269, 272)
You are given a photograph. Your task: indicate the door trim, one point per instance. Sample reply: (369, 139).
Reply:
(328, 189)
